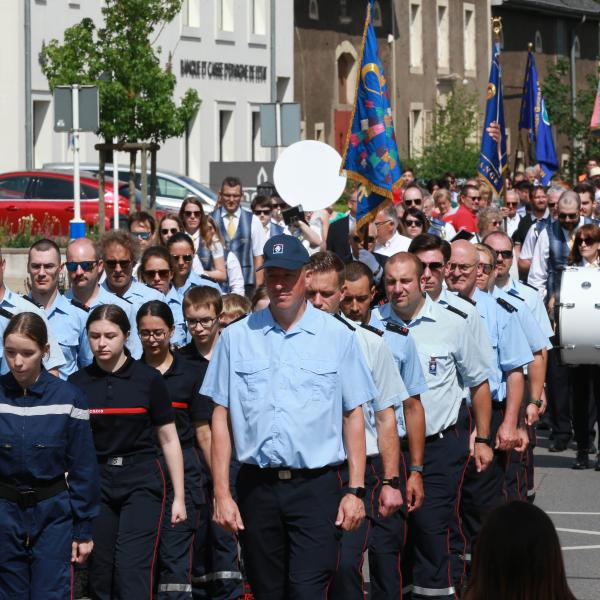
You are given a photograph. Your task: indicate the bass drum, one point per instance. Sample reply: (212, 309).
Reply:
(578, 311)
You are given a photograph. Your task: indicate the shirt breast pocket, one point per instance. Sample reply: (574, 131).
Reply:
(8, 456)
(318, 379)
(435, 367)
(255, 379)
(47, 456)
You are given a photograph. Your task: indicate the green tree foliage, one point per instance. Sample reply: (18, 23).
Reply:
(557, 96)
(136, 93)
(452, 145)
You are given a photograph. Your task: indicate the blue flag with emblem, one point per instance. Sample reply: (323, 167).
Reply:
(534, 117)
(493, 161)
(371, 155)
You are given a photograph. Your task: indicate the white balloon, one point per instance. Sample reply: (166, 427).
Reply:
(307, 174)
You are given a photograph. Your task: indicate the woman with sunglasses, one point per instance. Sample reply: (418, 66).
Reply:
(585, 378)
(191, 214)
(168, 226)
(414, 222)
(131, 417)
(488, 221)
(192, 411)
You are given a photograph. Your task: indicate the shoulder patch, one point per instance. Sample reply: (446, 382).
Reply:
(235, 321)
(79, 305)
(396, 328)
(465, 297)
(456, 311)
(342, 320)
(507, 306)
(514, 294)
(203, 276)
(371, 328)
(25, 297)
(528, 285)
(5, 313)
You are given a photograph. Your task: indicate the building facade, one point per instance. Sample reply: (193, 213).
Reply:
(220, 48)
(426, 46)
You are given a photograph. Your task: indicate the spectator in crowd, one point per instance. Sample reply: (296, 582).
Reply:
(167, 226)
(537, 216)
(415, 222)
(465, 216)
(210, 252)
(587, 198)
(339, 230)
(191, 213)
(260, 299)
(388, 241)
(235, 306)
(309, 231)
(509, 212)
(442, 199)
(523, 188)
(486, 196)
(488, 220)
(142, 225)
(262, 209)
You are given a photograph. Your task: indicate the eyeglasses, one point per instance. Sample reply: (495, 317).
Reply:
(474, 197)
(205, 322)
(152, 273)
(463, 268)
(511, 204)
(552, 204)
(112, 264)
(358, 239)
(142, 235)
(159, 334)
(192, 214)
(411, 223)
(586, 241)
(487, 269)
(416, 202)
(263, 211)
(185, 257)
(86, 265)
(172, 231)
(382, 223)
(506, 254)
(497, 223)
(38, 266)
(433, 266)
(568, 216)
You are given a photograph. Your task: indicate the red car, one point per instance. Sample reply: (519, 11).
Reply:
(48, 197)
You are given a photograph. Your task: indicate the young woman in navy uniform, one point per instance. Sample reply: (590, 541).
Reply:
(49, 489)
(129, 409)
(155, 327)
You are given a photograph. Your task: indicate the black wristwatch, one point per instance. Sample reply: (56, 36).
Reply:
(537, 403)
(415, 469)
(484, 440)
(359, 492)
(393, 482)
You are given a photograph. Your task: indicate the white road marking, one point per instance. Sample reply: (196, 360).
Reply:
(554, 512)
(581, 547)
(585, 531)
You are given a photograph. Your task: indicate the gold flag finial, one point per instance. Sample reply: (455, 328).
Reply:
(497, 26)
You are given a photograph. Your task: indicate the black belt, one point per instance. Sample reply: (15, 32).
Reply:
(121, 461)
(283, 473)
(29, 498)
(498, 405)
(439, 434)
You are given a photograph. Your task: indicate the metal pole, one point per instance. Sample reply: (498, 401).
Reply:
(115, 187)
(273, 75)
(77, 228)
(101, 194)
(28, 103)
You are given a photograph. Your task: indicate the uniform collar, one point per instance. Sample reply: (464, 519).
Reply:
(8, 297)
(426, 313)
(123, 372)
(309, 321)
(37, 389)
(176, 367)
(128, 291)
(60, 304)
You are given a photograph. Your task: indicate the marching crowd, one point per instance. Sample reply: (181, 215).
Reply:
(285, 383)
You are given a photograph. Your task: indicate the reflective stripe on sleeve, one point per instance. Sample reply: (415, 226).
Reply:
(217, 575)
(175, 587)
(42, 411)
(423, 591)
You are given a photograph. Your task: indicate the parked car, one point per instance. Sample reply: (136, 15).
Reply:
(171, 187)
(48, 196)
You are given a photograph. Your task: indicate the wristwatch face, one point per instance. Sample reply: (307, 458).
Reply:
(359, 492)
(393, 482)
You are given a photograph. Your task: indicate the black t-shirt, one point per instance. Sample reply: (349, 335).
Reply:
(190, 353)
(125, 406)
(189, 405)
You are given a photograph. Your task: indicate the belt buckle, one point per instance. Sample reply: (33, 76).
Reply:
(284, 474)
(28, 498)
(115, 461)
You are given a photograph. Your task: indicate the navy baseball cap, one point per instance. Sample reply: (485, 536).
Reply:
(285, 252)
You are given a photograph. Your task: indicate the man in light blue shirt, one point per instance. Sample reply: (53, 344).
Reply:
(452, 363)
(288, 384)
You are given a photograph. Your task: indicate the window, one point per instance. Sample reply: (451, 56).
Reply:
(416, 130)
(169, 189)
(54, 189)
(313, 10)
(302, 130)
(259, 17)
(88, 192)
(259, 153)
(416, 38)
(320, 132)
(226, 140)
(225, 15)
(443, 41)
(191, 13)
(14, 187)
(469, 48)
(376, 14)
(538, 42)
(344, 16)
(346, 78)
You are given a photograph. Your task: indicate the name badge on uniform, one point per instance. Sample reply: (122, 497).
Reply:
(432, 366)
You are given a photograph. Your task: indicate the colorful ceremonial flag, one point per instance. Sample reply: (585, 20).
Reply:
(493, 161)
(371, 155)
(595, 122)
(535, 118)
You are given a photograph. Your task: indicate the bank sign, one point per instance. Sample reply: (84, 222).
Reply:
(205, 69)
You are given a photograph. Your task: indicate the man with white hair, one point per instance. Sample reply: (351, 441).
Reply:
(389, 241)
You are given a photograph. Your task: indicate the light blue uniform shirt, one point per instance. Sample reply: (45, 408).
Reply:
(15, 304)
(405, 354)
(449, 358)
(104, 297)
(286, 391)
(194, 280)
(508, 341)
(181, 334)
(533, 332)
(67, 323)
(389, 384)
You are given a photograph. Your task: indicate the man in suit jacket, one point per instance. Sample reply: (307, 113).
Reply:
(339, 231)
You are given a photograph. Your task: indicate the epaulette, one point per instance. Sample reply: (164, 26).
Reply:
(25, 297)
(529, 285)
(371, 328)
(456, 311)
(342, 320)
(465, 297)
(235, 321)
(5, 313)
(514, 294)
(203, 276)
(396, 328)
(507, 306)
(80, 305)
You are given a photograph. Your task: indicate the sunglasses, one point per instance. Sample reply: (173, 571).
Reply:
(263, 211)
(586, 241)
(552, 204)
(152, 273)
(112, 264)
(172, 231)
(463, 268)
(86, 265)
(411, 223)
(416, 202)
(433, 266)
(186, 257)
(142, 235)
(568, 216)
(358, 239)
(192, 214)
(511, 204)
(506, 254)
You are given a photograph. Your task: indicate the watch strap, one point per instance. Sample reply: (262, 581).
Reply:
(415, 468)
(484, 440)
